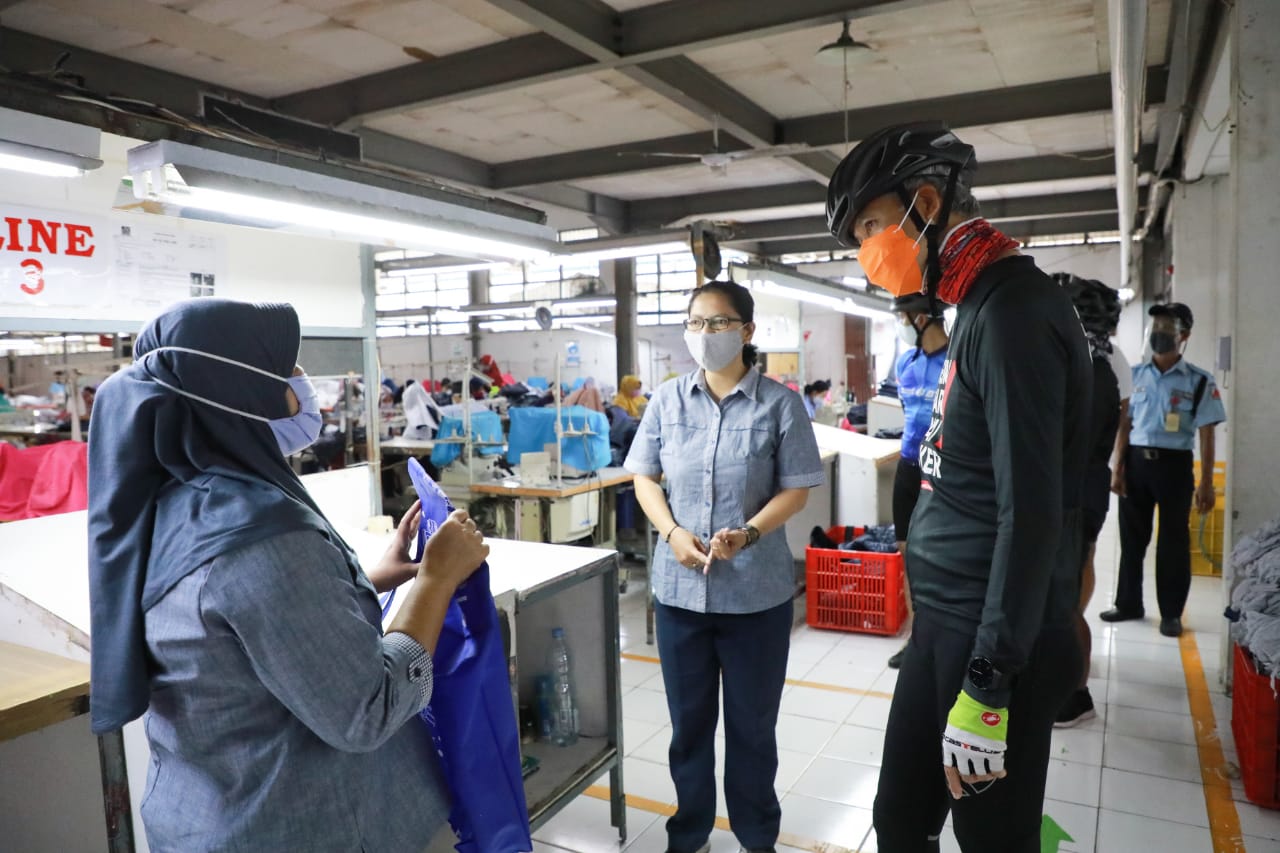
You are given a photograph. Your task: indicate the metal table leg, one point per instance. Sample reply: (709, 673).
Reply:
(115, 792)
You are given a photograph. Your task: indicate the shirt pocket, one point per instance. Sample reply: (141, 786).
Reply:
(748, 447)
(681, 442)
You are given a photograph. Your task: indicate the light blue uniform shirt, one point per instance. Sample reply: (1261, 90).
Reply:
(723, 462)
(1158, 396)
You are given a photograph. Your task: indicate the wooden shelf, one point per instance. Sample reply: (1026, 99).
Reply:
(39, 689)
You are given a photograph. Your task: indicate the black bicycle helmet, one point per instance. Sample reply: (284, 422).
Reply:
(1098, 305)
(884, 161)
(918, 303)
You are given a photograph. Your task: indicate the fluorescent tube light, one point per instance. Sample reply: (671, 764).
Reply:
(367, 229)
(590, 302)
(273, 189)
(38, 145)
(33, 166)
(587, 330)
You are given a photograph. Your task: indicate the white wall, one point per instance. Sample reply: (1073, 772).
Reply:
(320, 277)
(824, 350)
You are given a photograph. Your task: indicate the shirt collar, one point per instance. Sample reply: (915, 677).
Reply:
(1180, 366)
(749, 385)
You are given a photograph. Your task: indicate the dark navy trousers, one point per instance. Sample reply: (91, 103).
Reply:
(746, 655)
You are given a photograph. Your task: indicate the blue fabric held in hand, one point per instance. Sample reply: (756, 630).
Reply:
(470, 715)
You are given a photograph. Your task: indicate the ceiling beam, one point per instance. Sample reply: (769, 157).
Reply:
(593, 27)
(1009, 212)
(1091, 223)
(660, 212)
(1022, 103)
(110, 75)
(1075, 96)
(574, 40)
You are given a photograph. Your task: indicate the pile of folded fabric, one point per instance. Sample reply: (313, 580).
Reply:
(877, 540)
(1255, 602)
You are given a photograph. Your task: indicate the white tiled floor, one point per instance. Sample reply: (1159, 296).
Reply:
(1126, 781)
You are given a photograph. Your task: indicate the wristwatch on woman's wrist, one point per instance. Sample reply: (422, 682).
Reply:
(752, 534)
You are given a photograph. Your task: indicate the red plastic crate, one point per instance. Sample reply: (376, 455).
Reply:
(854, 590)
(1255, 722)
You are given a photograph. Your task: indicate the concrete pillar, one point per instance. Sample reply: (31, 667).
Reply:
(624, 288)
(478, 285)
(1255, 172)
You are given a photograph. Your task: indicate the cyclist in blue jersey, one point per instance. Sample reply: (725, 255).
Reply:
(921, 328)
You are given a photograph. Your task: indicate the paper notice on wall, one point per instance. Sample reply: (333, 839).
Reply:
(53, 258)
(155, 267)
(56, 263)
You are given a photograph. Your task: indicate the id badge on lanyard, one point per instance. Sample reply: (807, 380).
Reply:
(1173, 420)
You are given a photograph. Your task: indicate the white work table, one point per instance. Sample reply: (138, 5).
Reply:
(864, 472)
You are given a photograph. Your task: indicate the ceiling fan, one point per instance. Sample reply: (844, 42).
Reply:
(719, 161)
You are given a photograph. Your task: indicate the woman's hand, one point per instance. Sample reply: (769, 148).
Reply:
(688, 549)
(455, 551)
(726, 544)
(396, 566)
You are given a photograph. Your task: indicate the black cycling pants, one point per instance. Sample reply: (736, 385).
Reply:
(912, 799)
(906, 494)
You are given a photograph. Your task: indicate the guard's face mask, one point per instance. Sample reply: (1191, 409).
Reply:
(1164, 338)
(294, 433)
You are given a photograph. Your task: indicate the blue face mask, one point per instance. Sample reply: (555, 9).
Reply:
(298, 432)
(294, 433)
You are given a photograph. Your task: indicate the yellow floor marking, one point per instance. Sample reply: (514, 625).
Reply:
(794, 682)
(601, 792)
(1224, 820)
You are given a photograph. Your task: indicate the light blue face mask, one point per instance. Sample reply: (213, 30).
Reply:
(294, 433)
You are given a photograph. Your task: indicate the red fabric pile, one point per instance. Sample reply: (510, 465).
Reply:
(45, 480)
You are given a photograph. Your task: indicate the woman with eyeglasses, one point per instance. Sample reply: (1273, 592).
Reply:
(739, 457)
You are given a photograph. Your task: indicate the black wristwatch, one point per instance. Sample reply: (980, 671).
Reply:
(984, 675)
(753, 535)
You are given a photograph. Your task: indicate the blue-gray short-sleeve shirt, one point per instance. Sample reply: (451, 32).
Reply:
(723, 462)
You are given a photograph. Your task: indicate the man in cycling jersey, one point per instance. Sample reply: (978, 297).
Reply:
(995, 545)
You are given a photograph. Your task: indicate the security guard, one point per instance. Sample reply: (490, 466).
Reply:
(1172, 401)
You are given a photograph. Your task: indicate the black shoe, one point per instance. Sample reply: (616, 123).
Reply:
(706, 848)
(757, 850)
(1077, 710)
(1171, 627)
(896, 660)
(1115, 614)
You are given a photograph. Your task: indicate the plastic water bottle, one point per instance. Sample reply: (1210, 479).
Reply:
(564, 711)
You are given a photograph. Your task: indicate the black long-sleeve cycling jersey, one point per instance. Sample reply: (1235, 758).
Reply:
(995, 541)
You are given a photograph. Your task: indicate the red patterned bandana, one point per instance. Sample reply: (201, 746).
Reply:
(973, 248)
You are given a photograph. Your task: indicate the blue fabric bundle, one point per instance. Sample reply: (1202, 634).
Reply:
(485, 426)
(470, 716)
(533, 429)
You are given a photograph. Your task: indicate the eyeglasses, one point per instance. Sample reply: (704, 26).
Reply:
(715, 324)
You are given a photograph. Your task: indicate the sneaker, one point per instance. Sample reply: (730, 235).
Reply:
(1078, 709)
(895, 661)
(1116, 614)
(757, 850)
(706, 848)
(1171, 627)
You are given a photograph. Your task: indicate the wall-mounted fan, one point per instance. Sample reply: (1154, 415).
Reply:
(543, 318)
(719, 161)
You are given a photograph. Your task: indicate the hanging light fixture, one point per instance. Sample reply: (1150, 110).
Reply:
(843, 50)
(842, 53)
